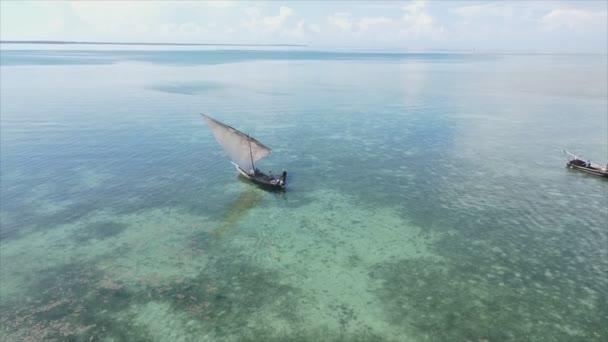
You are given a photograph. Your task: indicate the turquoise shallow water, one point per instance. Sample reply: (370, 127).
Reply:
(427, 197)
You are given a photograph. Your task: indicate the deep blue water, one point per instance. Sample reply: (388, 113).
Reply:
(427, 197)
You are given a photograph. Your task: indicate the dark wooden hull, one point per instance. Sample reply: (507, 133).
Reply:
(263, 180)
(590, 170)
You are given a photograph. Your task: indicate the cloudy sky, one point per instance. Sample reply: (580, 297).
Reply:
(520, 26)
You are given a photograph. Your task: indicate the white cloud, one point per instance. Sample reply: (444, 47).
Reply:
(219, 3)
(314, 28)
(345, 22)
(489, 10)
(102, 14)
(413, 23)
(276, 22)
(341, 20)
(415, 6)
(573, 19)
(285, 26)
(146, 20)
(252, 12)
(256, 22)
(418, 23)
(369, 23)
(523, 13)
(299, 32)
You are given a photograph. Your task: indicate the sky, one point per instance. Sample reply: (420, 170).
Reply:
(502, 26)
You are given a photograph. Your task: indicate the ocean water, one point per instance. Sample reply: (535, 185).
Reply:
(427, 197)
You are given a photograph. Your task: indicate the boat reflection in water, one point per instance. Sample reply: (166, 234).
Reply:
(247, 200)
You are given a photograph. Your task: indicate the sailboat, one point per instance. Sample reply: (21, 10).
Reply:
(244, 151)
(577, 163)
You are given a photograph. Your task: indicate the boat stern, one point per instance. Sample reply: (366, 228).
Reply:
(283, 178)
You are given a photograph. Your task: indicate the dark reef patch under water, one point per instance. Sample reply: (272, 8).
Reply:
(461, 301)
(73, 302)
(99, 231)
(82, 301)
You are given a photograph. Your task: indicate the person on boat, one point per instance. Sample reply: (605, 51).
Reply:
(588, 163)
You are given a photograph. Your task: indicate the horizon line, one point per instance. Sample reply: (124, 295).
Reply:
(68, 42)
(316, 47)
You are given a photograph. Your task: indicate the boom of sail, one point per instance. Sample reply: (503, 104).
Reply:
(242, 149)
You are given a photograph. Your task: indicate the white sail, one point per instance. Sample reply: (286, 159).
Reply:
(242, 149)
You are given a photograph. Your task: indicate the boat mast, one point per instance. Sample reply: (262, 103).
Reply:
(250, 153)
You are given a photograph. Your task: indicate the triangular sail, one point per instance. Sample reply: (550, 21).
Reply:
(241, 148)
